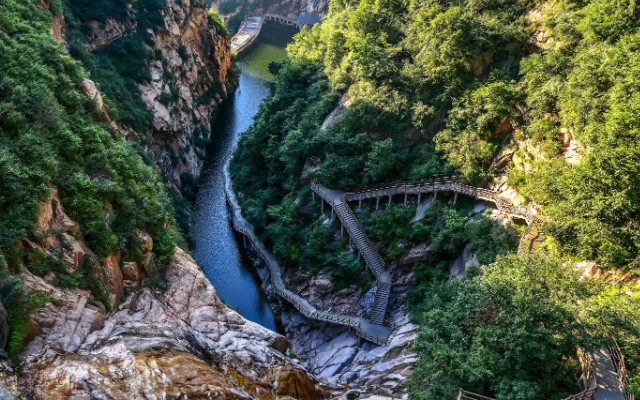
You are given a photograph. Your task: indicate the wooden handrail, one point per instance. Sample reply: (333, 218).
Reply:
(464, 395)
(449, 183)
(618, 362)
(243, 226)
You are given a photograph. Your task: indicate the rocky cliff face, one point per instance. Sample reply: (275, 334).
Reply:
(191, 73)
(335, 353)
(176, 342)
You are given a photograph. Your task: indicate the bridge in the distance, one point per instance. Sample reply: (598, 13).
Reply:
(251, 27)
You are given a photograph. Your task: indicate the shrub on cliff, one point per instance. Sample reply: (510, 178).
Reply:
(508, 333)
(52, 137)
(215, 21)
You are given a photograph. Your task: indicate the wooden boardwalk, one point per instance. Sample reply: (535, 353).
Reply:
(445, 184)
(368, 330)
(371, 257)
(603, 374)
(339, 200)
(247, 34)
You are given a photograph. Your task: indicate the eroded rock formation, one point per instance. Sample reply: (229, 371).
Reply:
(156, 344)
(191, 74)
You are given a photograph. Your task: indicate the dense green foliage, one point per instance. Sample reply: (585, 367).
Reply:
(19, 303)
(589, 84)
(439, 87)
(300, 101)
(466, 71)
(52, 137)
(121, 65)
(419, 60)
(512, 333)
(509, 333)
(216, 21)
(447, 229)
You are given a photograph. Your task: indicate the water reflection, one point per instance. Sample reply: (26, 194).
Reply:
(215, 246)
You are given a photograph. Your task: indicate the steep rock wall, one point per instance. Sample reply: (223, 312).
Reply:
(190, 73)
(161, 343)
(196, 63)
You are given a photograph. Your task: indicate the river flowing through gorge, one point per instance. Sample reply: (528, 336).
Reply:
(216, 248)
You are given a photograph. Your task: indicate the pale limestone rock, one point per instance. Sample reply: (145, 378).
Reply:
(588, 269)
(337, 354)
(460, 267)
(324, 284)
(319, 291)
(536, 16)
(130, 271)
(419, 253)
(91, 91)
(572, 147)
(9, 387)
(336, 113)
(74, 251)
(194, 58)
(184, 341)
(333, 353)
(52, 219)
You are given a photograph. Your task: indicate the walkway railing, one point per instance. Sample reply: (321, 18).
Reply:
(454, 184)
(618, 361)
(464, 395)
(250, 29)
(362, 327)
(283, 20)
(444, 184)
(337, 200)
(247, 34)
(585, 395)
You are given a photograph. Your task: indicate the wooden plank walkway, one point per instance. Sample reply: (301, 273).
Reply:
(365, 329)
(608, 382)
(374, 262)
(339, 200)
(444, 184)
(247, 34)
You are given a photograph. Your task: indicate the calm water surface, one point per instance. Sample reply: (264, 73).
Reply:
(216, 246)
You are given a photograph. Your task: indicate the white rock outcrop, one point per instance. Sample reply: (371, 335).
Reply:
(163, 344)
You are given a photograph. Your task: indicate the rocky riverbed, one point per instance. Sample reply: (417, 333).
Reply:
(335, 353)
